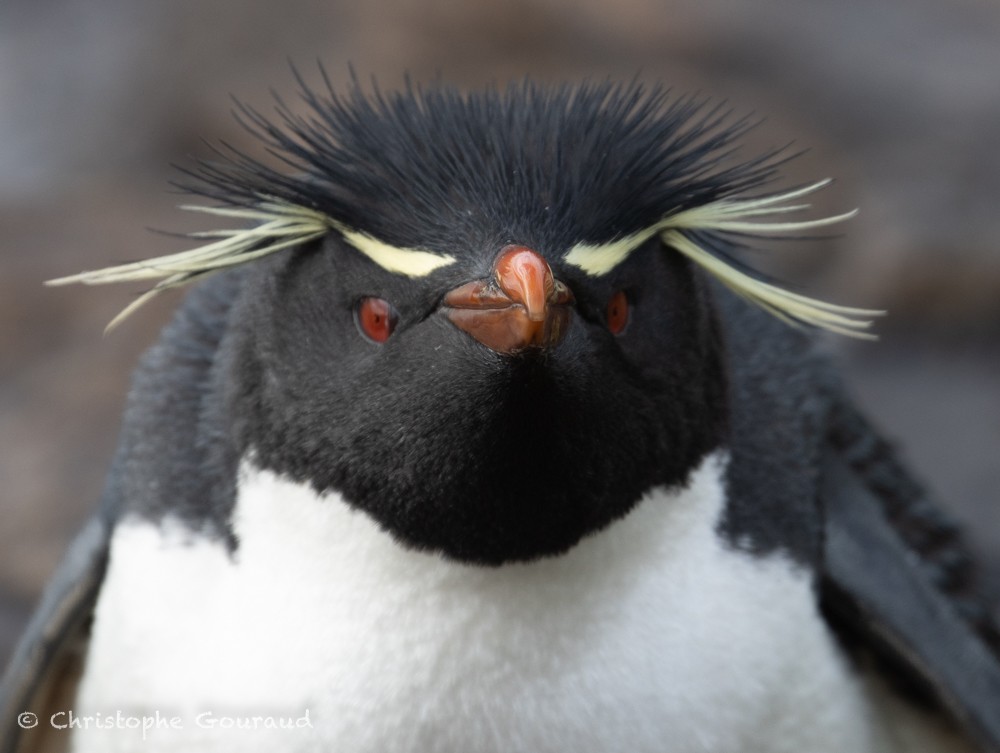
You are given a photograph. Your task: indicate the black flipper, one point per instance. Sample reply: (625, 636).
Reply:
(878, 588)
(47, 663)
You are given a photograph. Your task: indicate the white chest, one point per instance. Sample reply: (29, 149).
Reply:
(649, 636)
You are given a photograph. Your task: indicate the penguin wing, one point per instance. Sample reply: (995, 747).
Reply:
(883, 592)
(47, 663)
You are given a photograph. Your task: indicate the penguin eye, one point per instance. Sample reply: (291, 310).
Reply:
(617, 314)
(376, 318)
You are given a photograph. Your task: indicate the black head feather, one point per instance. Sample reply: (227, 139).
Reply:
(438, 169)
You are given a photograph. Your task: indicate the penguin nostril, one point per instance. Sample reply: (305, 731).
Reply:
(376, 318)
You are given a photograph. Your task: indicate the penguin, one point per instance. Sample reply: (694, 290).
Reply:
(479, 435)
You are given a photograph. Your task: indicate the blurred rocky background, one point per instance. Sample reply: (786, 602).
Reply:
(899, 99)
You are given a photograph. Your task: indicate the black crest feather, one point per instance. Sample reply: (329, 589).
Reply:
(589, 172)
(427, 167)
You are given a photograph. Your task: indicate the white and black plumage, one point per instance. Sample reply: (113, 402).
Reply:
(481, 444)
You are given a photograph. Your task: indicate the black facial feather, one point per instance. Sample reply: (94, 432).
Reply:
(437, 169)
(454, 448)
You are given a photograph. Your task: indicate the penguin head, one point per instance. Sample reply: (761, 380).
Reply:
(485, 319)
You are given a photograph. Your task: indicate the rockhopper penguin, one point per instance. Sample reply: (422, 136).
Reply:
(479, 436)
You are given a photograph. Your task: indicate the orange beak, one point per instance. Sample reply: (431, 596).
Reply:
(522, 306)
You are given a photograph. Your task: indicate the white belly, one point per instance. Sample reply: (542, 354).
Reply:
(649, 636)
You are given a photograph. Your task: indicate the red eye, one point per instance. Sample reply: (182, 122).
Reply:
(376, 319)
(618, 312)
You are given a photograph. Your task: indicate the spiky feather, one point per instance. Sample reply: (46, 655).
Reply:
(419, 178)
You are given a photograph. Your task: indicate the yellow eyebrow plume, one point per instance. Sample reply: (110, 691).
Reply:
(280, 225)
(412, 262)
(744, 216)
